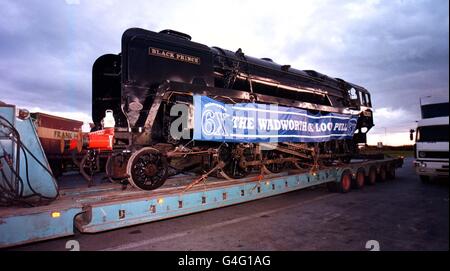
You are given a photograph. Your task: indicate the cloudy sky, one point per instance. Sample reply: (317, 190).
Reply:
(398, 50)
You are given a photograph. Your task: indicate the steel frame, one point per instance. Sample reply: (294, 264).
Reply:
(99, 209)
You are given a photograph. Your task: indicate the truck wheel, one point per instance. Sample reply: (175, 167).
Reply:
(391, 172)
(359, 180)
(382, 175)
(372, 178)
(424, 178)
(345, 183)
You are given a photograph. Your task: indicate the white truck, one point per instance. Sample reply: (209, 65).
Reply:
(431, 149)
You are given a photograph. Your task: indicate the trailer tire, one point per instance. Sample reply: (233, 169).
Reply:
(382, 175)
(345, 184)
(359, 180)
(391, 172)
(372, 177)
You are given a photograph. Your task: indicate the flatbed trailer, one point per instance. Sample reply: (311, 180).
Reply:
(108, 206)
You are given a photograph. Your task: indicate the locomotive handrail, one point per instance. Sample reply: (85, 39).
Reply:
(244, 95)
(287, 71)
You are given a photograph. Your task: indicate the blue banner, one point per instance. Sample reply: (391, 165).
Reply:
(253, 122)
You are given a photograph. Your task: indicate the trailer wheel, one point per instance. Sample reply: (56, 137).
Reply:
(346, 182)
(359, 180)
(382, 175)
(391, 172)
(147, 169)
(372, 178)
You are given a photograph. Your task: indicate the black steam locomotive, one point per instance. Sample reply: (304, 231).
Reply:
(155, 71)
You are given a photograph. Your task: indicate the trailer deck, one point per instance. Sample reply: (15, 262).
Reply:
(108, 206)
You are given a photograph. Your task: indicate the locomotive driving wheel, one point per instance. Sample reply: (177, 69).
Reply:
(235, 170)
(275, 167)
(232, 158)
(147, 169)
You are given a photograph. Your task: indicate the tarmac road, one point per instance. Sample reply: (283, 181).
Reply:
(402, 214)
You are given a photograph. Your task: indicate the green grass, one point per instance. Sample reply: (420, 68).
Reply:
(396, 153)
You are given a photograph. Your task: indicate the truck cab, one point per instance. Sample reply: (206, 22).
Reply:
(431, 148)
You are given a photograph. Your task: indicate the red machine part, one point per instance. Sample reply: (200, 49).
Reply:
(99, 140)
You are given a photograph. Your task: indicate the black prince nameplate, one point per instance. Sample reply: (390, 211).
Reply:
(174, 55)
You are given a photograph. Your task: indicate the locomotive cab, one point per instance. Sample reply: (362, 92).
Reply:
(106, 89)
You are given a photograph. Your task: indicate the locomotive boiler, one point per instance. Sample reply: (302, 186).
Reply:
(155, 72)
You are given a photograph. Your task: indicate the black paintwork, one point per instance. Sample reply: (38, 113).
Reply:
(127, 83)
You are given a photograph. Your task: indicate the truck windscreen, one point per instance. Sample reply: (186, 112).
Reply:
(436, 133)
(434, 110)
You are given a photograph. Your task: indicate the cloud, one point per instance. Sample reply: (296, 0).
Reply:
(393, 120)
(389, 113)
(398, 50)
(390, 139)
